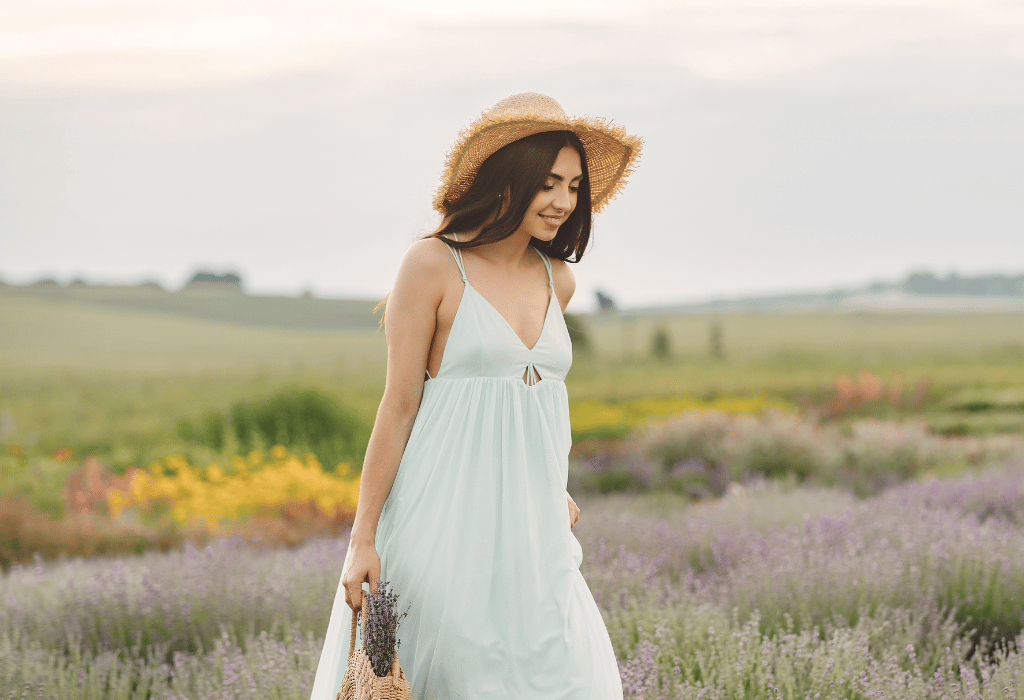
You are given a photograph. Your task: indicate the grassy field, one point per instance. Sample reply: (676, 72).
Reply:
(113, 372)
(785, 352)
(773, 590)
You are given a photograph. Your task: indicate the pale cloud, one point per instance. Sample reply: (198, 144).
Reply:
(838, 46)
(789, 144)
(812, 44)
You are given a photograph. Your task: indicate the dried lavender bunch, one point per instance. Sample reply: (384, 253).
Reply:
(382, 620)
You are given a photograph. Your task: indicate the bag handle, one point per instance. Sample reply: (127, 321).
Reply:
(352, 637)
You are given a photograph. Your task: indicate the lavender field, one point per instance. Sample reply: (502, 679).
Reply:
(770, 592)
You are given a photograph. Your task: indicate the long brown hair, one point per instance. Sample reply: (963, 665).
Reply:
(502, 191)
(504, 187)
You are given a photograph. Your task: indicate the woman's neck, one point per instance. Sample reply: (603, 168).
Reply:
(508, 253)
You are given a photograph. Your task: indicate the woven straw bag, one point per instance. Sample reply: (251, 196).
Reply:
(361, 683)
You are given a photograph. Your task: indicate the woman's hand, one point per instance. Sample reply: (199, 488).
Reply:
(574, 510)
(361, 564)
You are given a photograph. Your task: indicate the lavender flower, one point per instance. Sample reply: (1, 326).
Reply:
(382, 622)
(771, 592)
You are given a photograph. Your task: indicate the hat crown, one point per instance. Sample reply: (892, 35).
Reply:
(532, 103)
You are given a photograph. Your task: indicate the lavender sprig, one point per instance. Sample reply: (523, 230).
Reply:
(381, 642)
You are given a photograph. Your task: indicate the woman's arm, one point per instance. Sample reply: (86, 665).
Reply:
(409, 322)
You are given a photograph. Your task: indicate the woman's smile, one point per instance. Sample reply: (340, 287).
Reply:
(556, 199)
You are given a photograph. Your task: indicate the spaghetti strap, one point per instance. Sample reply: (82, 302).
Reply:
(547, 265)
(457, 254)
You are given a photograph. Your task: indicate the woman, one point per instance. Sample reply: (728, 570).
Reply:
(462, 502)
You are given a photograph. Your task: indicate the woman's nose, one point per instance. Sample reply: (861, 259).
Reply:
(562, 200)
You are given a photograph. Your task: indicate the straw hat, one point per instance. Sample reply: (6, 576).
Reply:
(611, 152)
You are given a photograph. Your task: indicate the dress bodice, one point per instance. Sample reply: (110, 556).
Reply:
(481, 342)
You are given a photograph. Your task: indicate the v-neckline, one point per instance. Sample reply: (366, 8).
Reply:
(544, 323)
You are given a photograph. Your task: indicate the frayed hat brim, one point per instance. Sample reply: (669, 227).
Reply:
(612, 153)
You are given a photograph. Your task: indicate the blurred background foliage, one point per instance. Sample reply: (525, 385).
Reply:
(128, 377)
(303, 420)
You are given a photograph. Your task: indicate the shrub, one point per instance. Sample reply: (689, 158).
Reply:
(726, 447)
(606, 473)
(716, 346)
(211, 431)
(882, 454)
(302, 420)
(661, 345)
(701, 436)
(28, 534)
(874, 455)
(782, 445)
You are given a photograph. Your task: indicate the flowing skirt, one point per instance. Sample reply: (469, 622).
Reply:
(475, 539)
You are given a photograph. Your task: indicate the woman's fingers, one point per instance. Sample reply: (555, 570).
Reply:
(354, 595)
(354, 590)
(574, 510)
(362, 565)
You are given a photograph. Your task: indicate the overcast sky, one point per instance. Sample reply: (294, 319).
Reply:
(789, 145)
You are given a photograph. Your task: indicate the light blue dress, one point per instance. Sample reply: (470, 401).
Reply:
(474, 535)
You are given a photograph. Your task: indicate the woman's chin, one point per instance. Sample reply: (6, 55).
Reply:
(546, 235)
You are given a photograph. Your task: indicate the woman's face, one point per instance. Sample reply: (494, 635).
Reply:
(557, 198)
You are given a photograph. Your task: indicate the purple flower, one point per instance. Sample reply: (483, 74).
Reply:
(382, 621)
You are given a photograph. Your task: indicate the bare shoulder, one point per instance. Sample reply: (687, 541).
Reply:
(425, 270)
(565, 281)
(427, 255)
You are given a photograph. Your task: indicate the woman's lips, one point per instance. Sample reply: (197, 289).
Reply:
(552, 220)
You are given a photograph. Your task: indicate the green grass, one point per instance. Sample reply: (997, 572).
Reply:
(304, 313)
(813, 336)
(112, 371)
(42, 336)
(791, 352)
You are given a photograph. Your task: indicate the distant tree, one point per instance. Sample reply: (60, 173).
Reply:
(716, 345)
(925, 282)
(604, 302)
(205, 277)
(578, 334)
(661, 344)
